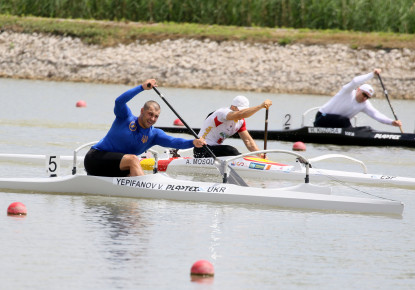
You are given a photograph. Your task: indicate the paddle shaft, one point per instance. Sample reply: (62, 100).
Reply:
(184, 123)
(266, 130)
(387, 98)
(232, 176)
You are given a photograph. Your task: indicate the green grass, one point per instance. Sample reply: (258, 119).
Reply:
(109, 33)
(356, 15)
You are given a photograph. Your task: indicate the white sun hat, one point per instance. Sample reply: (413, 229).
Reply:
(367, 89)
(241, 102)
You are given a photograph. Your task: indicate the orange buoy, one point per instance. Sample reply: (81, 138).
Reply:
(202, 268)
(80, 104)
(16, 208)
(177, 122)
(299, 146)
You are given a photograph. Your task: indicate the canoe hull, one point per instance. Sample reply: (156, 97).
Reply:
(160, 186)
(355, 136)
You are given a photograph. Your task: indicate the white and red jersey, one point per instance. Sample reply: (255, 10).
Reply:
(216, 128)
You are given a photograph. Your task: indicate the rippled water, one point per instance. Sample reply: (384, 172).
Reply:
(92, 242)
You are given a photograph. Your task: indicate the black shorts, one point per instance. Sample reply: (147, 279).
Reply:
(331, 121)
(103, 163)
(218, 150)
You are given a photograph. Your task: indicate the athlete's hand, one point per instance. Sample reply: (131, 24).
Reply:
(263, 155)
(377, 71)
(149, 84)
(397, 123)
(199, 142)
(267, 104)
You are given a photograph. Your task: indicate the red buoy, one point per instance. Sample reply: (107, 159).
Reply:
(81, 104)
(202, 268)
(16, 208)
(299, 146)
(177, 122)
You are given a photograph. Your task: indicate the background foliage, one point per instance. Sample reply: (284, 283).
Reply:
(355, 15)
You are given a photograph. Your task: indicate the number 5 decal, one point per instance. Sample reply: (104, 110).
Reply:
(53, 165)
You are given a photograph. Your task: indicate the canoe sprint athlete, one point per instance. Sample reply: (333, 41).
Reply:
(352, 99)
(115, 155)
(224, 123)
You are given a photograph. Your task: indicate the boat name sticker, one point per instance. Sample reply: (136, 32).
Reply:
(259, 166)
(317, 130)
(325, 130)
(201, 161)
(387, 177)
(387, 136)
(160, 186)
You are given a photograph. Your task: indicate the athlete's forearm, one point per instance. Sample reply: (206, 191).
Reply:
(128, 95)
(245, 113)
(165, 140)
(251, 145)
(359, 80)
(378, 116)
(121, 108)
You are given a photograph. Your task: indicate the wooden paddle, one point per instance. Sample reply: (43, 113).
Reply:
(266, 132)
(233, 177)
(387, 97)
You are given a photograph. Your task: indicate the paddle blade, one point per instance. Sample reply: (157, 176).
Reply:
(233, 177)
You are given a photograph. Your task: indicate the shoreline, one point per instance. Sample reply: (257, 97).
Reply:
(207, 64)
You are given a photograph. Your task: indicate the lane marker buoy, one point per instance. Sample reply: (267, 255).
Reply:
(177, 122)
(16, 208)
(81, 104)
(299, 146)
(202, 268)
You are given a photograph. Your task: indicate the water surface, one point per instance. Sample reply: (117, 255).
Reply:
(92, 242)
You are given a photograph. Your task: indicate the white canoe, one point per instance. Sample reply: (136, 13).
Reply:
(160, 186)
(248, 166)
(253, 167)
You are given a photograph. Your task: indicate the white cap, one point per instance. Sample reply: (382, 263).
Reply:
(240, 102)
(367, 89)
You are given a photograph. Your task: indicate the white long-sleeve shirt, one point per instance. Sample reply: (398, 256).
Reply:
(344, 102)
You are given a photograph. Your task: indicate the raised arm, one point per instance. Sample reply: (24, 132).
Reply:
(121, 109)
(246, 113)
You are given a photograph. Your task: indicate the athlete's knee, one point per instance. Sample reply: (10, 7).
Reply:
(133, 158)
(128, 161)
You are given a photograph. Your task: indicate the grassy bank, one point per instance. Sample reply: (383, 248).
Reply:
(109, 33)
(358, 15)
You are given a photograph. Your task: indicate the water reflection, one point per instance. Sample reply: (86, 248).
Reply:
(124, 228)
(201, 279)
(216, 227)
(17, 216)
